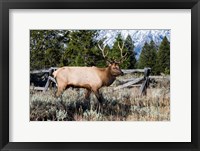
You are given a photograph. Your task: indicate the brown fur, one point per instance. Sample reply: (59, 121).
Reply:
(91, 78)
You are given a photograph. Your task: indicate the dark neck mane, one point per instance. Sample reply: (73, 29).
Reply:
(108, 78)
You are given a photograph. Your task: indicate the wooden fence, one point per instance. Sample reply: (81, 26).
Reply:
(141, 82)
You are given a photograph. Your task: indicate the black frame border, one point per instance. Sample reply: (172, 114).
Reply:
(5, 5)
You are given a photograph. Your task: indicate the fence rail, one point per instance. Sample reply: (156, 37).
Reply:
(126, 71)
(127, 82)
(44, 70)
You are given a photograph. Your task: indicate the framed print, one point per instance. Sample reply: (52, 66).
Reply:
(99, 75)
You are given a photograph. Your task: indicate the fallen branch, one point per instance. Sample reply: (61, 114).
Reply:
(129, 83)
(132, 70)
(38, 88)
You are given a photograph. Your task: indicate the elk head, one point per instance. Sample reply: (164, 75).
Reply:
(113, 63)
(115, 69)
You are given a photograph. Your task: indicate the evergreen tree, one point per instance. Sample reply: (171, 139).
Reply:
(52, 57)
(46, 47)
(37, 54)
(80, 49)
(163, 59)
(129, 45)
(99, 58)
(114, 53)
(148, 57)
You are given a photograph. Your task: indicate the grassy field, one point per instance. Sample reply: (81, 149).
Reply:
(118, 105)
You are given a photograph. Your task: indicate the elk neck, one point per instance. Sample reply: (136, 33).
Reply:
(108, 78)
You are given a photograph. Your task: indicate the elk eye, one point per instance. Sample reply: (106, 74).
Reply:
(115, 68)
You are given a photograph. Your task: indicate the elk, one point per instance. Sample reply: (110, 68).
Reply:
(91, 78)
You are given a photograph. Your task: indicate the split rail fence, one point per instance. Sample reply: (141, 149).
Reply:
(142, 82)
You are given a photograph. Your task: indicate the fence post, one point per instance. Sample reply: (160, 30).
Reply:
(145, 84)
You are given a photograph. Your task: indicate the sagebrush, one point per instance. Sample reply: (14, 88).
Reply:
(118, 105)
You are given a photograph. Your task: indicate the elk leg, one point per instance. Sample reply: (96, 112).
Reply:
(96, 94)
(60, 90)
(87, 93)
(99, 104)
(88, 88)
(99, 98)
(61, 86)
(58, 93)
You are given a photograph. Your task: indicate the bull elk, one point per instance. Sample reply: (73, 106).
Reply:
(91, 78)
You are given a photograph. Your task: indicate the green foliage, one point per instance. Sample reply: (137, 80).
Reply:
(129, 60)
(52, 57)
(114, 52)
(58, 48)
(129, 45)
(163, 59)
(37, 59)
(46, 47)
(80, 49)
(158, 61)
(98, 58)
(148, 57)
(76, 48)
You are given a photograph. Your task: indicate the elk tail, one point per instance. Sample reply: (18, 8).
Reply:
(55, 74)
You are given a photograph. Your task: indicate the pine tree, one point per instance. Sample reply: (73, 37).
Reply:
(46, 47)
(114, 53)
(80, 48)
(129, 45)
(98, 54)
(143, 56)
(148, 57)
(163, 59)
(52, 57)
(37, 54)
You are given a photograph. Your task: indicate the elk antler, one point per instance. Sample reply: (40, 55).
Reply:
(121, 51)
(103, 51)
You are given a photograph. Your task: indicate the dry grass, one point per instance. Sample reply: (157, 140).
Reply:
(120, 105)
